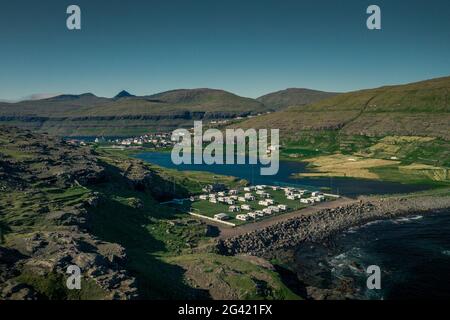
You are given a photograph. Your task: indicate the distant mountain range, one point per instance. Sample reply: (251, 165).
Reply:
(420, 108)
(127, 114)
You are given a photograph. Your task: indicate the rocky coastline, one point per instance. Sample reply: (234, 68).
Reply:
(326, 223)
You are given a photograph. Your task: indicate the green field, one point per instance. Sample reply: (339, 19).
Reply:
(206, 208)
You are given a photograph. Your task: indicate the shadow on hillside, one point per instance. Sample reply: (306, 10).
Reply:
(4, 229)
(291, 280)
(114, 221)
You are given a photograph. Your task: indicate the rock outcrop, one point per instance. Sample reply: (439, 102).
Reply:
(42, 233)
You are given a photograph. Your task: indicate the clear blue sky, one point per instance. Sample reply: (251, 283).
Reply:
(249, 47)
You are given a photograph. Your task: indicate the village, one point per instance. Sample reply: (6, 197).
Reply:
(155, 140)
(249, 204)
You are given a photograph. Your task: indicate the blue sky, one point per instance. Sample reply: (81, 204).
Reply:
(248, 47)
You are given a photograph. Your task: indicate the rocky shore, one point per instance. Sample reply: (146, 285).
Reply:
(325, 223)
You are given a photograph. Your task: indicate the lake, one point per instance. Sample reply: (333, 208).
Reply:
(343, 186)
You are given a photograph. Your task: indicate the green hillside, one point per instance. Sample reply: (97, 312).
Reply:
(62, 205)
(397, 133)
(125, 114)
(293, 97)
(421, 109)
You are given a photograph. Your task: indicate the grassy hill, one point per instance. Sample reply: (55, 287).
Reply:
(126, 114)
(62, 205)
(406, 124)
(421, 109)
(293, 97)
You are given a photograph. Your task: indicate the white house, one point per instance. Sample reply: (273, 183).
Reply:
(252, 215)
(282, 207)
(213, 200)
(259, 213)
(246, 207)
(234, 209)
(267, 211)
(263, 203)
(242, 217)
(274, 208)
(203, 197)
(242, 199)
(221, 216)
(233, 192)
(270, 201)
(291, 197)
(318, 198)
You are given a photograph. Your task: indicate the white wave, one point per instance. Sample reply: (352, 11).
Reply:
(407, 219)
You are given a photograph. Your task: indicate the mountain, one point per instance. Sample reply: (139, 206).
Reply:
(75, 99)
(293, 97)
(35, 96)
(420, 109)
(123, 94)
(125, 114)
(397, 133)
(212, 99)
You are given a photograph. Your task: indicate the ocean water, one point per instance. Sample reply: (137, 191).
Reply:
(413, 254)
